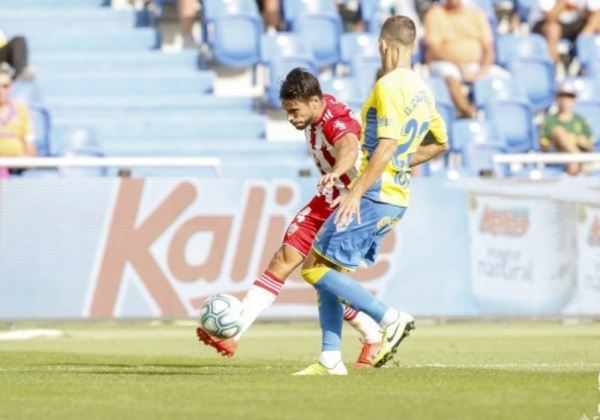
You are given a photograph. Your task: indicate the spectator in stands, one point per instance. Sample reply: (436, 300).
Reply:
(459, 48)
(14, 52)
(565, 131)
(16, 129)
(271, 12)
(188, 12)
(556, 19)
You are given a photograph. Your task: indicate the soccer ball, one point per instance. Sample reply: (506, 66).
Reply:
(220, 315)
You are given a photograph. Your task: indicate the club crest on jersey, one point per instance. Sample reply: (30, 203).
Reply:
(339, 125)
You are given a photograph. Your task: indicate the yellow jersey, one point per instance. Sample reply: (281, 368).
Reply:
(400, 107)
(16, 130)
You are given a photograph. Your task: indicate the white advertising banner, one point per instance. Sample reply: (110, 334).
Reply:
(523, 256)
(588, 246)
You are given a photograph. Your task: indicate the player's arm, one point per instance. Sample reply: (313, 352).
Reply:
(435, 143)
(349, 205)
(347, 152)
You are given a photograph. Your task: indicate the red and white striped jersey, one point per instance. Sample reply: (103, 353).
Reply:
(336, 121)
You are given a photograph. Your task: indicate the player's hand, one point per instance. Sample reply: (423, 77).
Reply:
(348, 207)
(328, 181)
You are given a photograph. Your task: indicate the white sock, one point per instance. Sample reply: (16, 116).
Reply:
(261, 295)
(330, 358)
(367, 327)
(390, 316)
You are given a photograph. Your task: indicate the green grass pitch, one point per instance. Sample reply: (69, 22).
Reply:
(443, 371)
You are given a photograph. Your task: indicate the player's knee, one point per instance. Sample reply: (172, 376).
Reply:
(312, 275)
(286, 259)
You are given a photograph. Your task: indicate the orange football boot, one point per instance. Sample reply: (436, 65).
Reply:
(367, 354)
(225, 347)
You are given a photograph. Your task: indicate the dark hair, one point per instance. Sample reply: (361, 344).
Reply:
(300, 85)
(399, 29)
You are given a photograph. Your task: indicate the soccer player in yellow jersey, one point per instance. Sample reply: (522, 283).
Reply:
(397, 117)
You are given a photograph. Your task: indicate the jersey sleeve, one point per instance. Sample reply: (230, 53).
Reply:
(336, 128)
(389, 118)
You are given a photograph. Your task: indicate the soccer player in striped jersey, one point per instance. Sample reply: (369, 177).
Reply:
(332, 136)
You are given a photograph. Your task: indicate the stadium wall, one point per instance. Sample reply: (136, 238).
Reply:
(156, 248)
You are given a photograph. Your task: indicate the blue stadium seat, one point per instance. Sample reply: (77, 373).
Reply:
(439, 88)
(364, 70)
(536, 78)
(322, 34)
(511, 122)
(42, 126)
(587, 87)
(466, 131)
(590, 110)
(70, 140)
(358, 44)
(292, 9)
(491, 88)
(211, 9)
(517, 46)
(477, 157)
(26, 92)
(235, 39)
(374, 12)
(523, 9)
(588, 50)
(345, 89)
(281, 53)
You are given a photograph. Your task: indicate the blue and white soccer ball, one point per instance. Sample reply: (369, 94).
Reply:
(220, 316)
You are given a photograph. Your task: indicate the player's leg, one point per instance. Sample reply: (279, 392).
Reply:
(261, 295)
(331, 315)
(267, 286)
(347, 248)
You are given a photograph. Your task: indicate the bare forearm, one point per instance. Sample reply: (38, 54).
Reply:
(427, 152)
(381, 156)
(346, 158)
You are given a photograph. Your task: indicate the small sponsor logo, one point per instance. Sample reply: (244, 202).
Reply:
(513, 222)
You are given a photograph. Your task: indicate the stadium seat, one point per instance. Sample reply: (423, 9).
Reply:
(281, 53)
(439, 88)
(536, 79)
(364, 70)
(466, 131)
(523, 9)
(477, 158)
(235, 39)
(511, 123)
(373, 12)
(517, 46)
(590, 110)
(69, 140)
(588, 50)
(587, 87)
(78, 142)
(42, 125)
(26, 92)
(358, 44)
(345, 89)
(211, 9)
(294, 8)
(321, 32)
(491, 88)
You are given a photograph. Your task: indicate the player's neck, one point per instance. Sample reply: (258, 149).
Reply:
(397, 61)
(319, 112)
